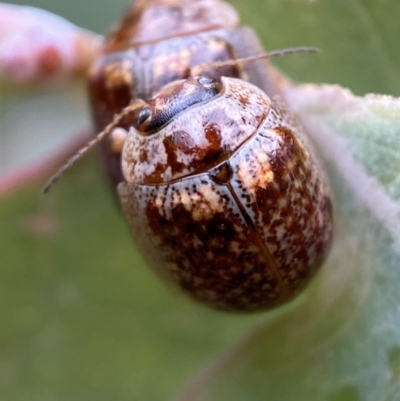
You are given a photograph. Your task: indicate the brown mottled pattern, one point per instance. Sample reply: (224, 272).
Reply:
(192, 233)
(154, 20)
(138, 59)
(223, 124)
(246, 235)
(119, 78)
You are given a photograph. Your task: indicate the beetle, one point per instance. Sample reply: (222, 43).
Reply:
(219, 185)
(222, 195)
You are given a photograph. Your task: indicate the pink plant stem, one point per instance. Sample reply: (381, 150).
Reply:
(37, 46)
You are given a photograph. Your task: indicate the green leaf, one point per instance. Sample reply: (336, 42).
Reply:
(82, 318)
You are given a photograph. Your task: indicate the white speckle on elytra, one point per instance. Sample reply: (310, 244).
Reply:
(211, 197)
(186, 200)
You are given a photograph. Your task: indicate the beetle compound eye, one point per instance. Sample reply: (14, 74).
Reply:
(175, 98)
(205, 81)
(209, 83)
(143, 117)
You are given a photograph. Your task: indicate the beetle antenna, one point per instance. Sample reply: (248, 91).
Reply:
(90, 145)
(274, 53)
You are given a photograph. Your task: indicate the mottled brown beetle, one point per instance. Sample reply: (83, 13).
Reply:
(218, 182)
(223, 196)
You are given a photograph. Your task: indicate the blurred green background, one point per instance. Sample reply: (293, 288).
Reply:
(81, 317)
